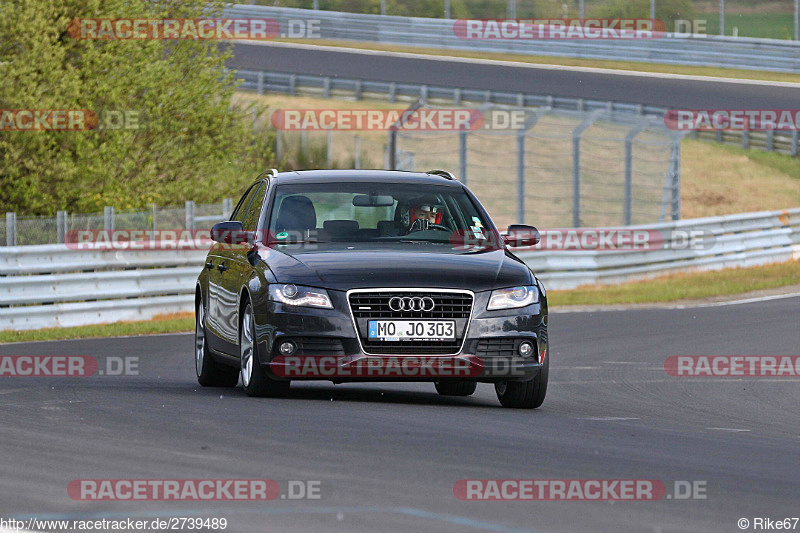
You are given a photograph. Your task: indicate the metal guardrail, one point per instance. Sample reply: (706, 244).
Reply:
(699, 50)
(328, 87)
(742, 240)
(52, 286)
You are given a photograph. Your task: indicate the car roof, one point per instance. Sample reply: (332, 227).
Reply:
(385, 176)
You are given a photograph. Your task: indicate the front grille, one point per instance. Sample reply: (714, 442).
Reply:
(496, 348)
(376, 305)
(447, 306)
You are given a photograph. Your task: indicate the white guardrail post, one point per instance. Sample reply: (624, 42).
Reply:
(61, 226)
(108, 218)
(11, 229)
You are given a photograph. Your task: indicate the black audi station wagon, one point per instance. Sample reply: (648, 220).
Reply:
(373, 275)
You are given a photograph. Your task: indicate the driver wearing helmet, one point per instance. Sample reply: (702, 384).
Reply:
(423, 213)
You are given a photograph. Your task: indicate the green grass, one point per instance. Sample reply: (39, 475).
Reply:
(692, 286)
(171, 324)
(780, 162)
(684, 286)
(765, 25)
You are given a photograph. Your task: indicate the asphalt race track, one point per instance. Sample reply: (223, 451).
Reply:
(388, 455)
(672, 92)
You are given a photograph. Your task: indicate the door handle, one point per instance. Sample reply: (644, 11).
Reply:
(209, 265)
(221, 267)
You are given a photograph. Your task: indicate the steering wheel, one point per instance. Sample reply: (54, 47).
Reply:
(420, 225)
(440, 227)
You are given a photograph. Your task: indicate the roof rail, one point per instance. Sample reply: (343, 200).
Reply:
(271, 173)
(442, 173)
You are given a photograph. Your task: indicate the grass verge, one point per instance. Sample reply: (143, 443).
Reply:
(683, 286)
(160, 324)
(720, 179)
(636, 66)
(672, 288)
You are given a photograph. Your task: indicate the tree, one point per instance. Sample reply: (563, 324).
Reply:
(189, 133)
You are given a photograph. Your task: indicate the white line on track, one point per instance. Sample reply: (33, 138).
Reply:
(11, 391)
(518, 64)
(678, 306)
(732, 430)
(606, 418)
(602, 379)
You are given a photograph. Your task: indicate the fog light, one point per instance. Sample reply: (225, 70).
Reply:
(525, 349)
(287, 348)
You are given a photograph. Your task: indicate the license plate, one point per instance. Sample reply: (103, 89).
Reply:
(412, 330)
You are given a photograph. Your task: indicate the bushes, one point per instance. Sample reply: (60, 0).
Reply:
(192, 143)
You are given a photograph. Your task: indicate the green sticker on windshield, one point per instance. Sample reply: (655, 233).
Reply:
(282, 235)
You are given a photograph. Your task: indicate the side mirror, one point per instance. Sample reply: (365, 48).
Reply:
(521, 235)
(230, 232)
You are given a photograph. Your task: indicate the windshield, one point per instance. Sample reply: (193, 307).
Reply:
(373, 212)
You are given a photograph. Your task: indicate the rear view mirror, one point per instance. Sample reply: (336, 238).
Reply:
(369, 200)
(521, 235)
(230, 232)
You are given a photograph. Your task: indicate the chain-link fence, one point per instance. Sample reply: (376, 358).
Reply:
(562, 169)
(28, 230)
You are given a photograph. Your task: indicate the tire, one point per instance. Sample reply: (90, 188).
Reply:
(525, 394)
(209, 372)
(255, 380)
(456, 388)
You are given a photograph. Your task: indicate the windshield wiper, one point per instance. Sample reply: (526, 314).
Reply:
(426, 241)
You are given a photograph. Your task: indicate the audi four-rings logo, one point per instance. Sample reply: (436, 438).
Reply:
(409, 303)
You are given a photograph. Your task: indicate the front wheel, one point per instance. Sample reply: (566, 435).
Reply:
(456, 388)
(209, 372)
(524, 394)
(255, 380)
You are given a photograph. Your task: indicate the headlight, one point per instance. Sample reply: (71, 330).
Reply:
(291, 294)
(513, 298)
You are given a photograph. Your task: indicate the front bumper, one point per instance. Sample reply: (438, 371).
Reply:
(346, 360)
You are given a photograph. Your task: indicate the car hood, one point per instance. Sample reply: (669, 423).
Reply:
(344, 269)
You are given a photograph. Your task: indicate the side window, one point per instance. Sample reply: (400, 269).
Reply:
(244, 202)
(253, 213)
